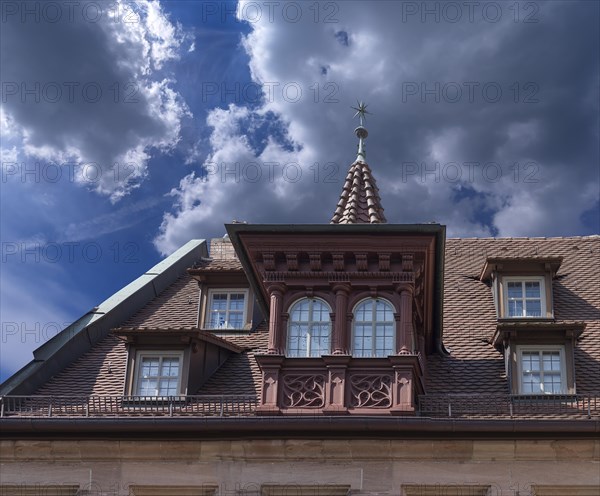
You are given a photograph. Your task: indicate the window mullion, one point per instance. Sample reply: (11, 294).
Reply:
(374, 328)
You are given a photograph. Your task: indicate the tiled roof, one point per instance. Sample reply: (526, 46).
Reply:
(176, 306)
(240, 374)
(474, 365)
(100, 371)
(359, 202)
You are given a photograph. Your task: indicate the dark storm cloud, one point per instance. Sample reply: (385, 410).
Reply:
(501, 102)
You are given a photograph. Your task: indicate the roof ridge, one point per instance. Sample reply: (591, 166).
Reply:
(523, 238)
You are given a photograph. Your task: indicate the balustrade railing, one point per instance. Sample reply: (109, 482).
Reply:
(553, 406)
(127, 406)
(369, 393)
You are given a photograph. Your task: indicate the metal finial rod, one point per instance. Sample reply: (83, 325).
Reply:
(360, 131)
(361, 111)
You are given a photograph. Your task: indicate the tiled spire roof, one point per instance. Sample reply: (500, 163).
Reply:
(359, 202)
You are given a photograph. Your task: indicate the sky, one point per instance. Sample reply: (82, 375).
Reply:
(131, 127)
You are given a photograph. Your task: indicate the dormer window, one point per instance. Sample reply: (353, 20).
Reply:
(226, 309)
(158, 373)
(542, 370)
(522, 286)
(524, 297)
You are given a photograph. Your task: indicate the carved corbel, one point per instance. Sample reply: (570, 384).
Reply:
(361, 262)
(338, 261)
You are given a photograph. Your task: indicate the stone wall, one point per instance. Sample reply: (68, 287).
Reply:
(368, 467)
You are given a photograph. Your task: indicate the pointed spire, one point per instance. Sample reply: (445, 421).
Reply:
(359, 202)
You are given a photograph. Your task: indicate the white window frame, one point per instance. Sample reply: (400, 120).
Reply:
(141, 354)
(228, 292)
(374, 323)
(309, 325)
(522, 280)
(541, 350)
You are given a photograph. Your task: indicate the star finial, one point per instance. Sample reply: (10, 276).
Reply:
(361, 111)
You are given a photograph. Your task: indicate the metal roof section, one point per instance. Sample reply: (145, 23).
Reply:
(76, 339)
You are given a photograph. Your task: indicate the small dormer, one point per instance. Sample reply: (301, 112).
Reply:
(522, 286)
(226, 301)
(538, 350)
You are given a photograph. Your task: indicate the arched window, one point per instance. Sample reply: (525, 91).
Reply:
(309, 329)
(374, 331)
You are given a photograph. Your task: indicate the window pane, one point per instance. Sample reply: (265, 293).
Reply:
(297, 345)
(364, 311)
(530, 361)
(168, 387)
(551, 361)
(149, 367)
(374, 329)
(534, 308)
(218, 319)
(309, 320)
(236, 301)
(532, 289)
(515, 308)
(219, 302)
(147, 387)
(158, 375)
(542, 372)
(170, 367)
(515, 290)
(385, 312)
(552, 383)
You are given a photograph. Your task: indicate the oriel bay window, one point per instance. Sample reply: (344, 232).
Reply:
(374, 333)
(309, 328)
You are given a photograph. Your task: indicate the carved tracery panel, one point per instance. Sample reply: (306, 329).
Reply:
(371, 390)
(303, 391)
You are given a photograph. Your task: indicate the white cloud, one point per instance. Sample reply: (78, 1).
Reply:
(237, 178)
(86, 92)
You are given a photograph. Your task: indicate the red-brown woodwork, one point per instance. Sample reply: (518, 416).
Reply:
(341, 292)
(342, 269)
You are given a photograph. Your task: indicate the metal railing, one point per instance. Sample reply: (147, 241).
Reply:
(127, 406)
(455, 406)
(472, 406)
